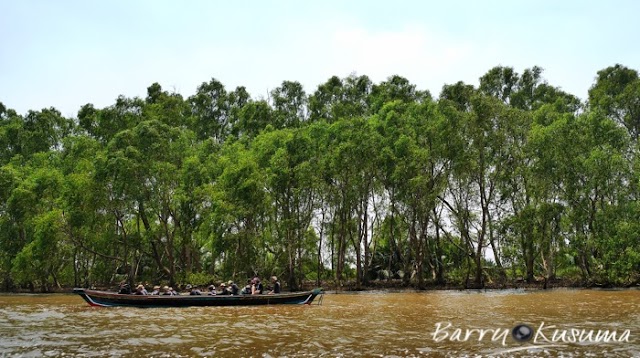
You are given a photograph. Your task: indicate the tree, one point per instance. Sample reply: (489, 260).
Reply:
(617, 93)
(253, 118)
(235, 220)
(10, 134)
(104, 124)
(341, 98)
(210, 108)
(286, 157)
(395, 88)
(290, 105)
(168, 108)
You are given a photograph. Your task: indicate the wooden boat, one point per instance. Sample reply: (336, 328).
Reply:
(111, 299)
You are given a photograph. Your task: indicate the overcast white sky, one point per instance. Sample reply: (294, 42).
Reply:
(68, 53)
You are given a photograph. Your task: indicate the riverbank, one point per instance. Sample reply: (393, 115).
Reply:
(399, 285)
(396, 285)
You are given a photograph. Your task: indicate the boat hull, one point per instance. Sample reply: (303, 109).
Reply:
(111, 299)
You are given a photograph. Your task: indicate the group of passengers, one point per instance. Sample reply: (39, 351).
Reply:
(253, 287)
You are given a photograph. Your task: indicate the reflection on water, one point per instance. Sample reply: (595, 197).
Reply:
(366, 324)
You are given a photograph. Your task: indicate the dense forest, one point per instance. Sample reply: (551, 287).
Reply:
(355, 183)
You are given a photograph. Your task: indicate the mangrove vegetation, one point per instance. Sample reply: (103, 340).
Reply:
(358, 182)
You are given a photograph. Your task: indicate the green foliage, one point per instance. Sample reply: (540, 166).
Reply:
(356, 181)
(201, 279)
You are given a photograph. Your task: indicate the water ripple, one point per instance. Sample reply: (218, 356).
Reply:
(372, 324)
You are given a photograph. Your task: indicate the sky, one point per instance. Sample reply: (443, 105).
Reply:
(65, 53)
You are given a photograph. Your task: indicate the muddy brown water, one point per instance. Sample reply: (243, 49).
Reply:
(568, 323)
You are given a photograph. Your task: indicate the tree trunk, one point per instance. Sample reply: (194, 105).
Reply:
(438, 253)
(320, 248)
(357, 243)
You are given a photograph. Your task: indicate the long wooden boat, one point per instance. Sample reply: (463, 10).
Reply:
(111, 299)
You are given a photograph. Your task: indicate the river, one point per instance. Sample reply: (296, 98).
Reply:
(371, 324)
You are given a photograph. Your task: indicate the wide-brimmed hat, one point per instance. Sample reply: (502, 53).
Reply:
(156, 287)
(223, 285)
(230, 283)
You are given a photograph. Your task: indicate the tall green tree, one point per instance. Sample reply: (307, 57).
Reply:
(616, 93)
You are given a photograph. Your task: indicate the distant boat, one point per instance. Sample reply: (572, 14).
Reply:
(112, 299)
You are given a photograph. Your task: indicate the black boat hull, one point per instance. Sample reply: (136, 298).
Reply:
(110, 299)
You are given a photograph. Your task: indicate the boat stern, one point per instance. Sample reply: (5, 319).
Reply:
(315, 293)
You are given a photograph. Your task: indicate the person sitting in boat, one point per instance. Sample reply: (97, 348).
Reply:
(233, 288)
(247, 289)
(223, 289)
(167, 291)
(140, 290)
(156, 291)
(256, 286)
(212, 290)
(124, 289)
(276, 285)
(195, 291)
